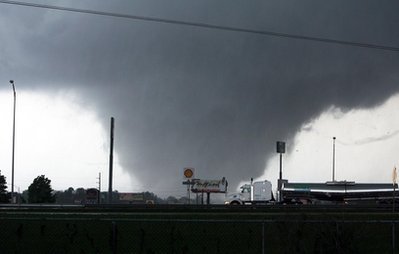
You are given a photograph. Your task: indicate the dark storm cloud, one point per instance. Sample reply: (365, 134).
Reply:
(210, 99)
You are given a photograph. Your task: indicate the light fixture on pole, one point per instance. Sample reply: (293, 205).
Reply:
(13, 144)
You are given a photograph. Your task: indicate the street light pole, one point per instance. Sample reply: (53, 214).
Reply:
(333, 162)
(13, 144)
(99, 188)
(111, 161)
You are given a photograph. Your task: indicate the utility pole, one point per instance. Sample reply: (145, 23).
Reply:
(333, 162)
(111, 159)
(99, 188)
(13, 198)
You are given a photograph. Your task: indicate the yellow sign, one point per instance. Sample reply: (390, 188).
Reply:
(188, 172)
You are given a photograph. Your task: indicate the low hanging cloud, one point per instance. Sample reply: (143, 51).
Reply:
(376, 139)
(210, 99)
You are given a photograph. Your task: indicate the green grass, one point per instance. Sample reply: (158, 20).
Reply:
(166, 231)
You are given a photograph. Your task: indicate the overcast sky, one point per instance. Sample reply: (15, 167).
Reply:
(212, 99)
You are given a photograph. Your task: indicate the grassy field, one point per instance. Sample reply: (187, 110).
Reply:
(183, 229)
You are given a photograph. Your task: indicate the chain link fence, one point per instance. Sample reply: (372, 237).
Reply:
(82, 235)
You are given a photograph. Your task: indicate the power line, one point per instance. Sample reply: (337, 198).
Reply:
(205, 25)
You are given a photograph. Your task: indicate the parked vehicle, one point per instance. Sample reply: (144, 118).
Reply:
(253, 193)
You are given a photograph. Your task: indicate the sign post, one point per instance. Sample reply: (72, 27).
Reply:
(208, 187)
(188, 175)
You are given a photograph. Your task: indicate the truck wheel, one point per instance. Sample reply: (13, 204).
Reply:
(234, 203)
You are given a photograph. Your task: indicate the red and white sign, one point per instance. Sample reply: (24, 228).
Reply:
(215, 186)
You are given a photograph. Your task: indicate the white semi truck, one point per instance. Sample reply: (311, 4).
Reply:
(253, 193)
(260, 192)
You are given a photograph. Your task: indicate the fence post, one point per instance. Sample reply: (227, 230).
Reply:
(263, 237)
(393, 237)
(114, 237)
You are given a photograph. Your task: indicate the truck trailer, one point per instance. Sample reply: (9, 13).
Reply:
(335, 192)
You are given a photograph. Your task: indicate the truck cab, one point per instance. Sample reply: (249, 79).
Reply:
(253, 193)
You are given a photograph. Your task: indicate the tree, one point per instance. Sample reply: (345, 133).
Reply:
(172, 200)
(4, 196)
(40, 191)
(80, 195)
(151, 196)
(66, 196)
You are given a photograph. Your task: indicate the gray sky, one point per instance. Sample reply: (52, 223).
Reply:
(210, 99)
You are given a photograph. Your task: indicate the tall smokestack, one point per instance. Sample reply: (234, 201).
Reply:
(111, 159)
